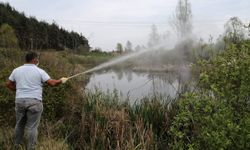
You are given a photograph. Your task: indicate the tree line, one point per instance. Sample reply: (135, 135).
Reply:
(33, 34)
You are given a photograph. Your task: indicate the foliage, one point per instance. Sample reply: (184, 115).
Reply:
(217, 117)
(8, 37)
(205, 122)
(228, 74)
(234, 30)
(9, 58)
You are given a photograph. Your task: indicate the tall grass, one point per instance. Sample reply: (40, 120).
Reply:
(45, 143)
(105, 122)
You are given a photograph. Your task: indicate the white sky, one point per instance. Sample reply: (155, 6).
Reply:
(107, 22)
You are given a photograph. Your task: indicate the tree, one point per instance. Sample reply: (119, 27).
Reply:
(119, 48)
(138, 48)
(8, 37)
(182, 19)
(234, 30)
(154, 37)
(128, 47)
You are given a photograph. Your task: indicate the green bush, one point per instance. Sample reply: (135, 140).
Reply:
(216, 117)
(204, 122)
(8, 37)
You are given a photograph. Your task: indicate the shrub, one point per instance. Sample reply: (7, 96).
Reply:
(216, 117)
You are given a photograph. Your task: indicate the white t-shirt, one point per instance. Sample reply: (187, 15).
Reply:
(29, 81)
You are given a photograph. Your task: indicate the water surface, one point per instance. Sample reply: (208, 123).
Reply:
(136, 85)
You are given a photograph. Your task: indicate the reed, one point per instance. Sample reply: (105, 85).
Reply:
(106, 122)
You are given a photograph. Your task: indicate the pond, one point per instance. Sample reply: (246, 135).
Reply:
(136, 85)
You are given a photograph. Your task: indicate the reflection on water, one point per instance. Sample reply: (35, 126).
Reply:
(136, 85)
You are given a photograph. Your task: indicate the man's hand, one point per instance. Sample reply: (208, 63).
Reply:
(11, 85)
(64, 79)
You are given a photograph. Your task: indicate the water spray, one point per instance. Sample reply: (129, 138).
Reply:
(115, 61)
(110, 63)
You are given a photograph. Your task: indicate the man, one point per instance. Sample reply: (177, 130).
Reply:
(27, 81)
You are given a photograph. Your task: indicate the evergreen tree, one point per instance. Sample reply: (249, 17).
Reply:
(34, 34)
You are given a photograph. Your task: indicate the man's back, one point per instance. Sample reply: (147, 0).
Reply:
(29, 79)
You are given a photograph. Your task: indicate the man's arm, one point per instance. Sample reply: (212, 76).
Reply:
(53, 82)
(11, 85)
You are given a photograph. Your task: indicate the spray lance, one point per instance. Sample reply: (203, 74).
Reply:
(65, 79)
(73, 76)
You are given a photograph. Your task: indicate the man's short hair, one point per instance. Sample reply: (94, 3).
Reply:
(30, 55)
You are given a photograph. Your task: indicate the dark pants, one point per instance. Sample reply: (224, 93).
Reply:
(28, 114)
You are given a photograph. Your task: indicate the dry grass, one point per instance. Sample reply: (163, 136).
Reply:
(104, 122)
(52, 144)
(44, 142)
